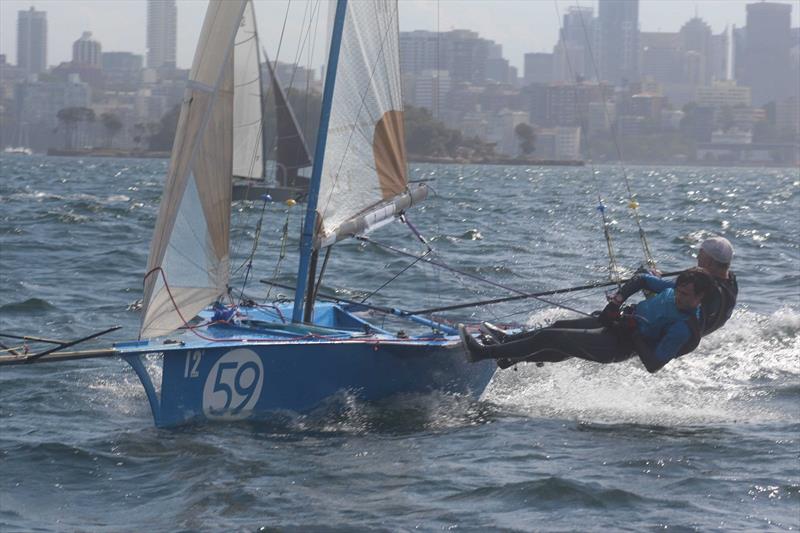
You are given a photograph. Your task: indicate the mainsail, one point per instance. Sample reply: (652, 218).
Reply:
(291, 152)
(188, 263)
(364, 175)
(248, 139)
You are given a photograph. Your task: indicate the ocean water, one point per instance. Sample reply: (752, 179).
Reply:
(710, 442)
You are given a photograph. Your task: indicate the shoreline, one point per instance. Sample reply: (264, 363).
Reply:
(111, 153)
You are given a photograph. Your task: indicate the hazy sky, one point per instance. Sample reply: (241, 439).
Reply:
(519, 25)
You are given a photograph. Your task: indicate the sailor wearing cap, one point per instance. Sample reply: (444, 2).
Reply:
(716, 254)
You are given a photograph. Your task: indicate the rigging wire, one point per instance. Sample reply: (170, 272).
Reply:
(310, 14)
(475, 277)
(614, 273)
(633, 204)
(249, 261)
(402, 271)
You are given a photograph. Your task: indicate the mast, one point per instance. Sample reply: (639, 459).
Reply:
(307, 239)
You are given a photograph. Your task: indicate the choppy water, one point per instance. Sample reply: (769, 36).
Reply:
(712, 441)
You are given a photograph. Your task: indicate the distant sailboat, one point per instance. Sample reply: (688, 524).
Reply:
(250, 153)
(245, 361)
(17, 150)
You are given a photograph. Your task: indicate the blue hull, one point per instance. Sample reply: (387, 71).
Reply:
(233, 379)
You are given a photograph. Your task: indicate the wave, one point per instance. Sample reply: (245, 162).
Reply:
(551, 492)
(31, 305)
(746, 372)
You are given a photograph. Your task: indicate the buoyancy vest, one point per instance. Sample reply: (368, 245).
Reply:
(695, 335)
(718, 306)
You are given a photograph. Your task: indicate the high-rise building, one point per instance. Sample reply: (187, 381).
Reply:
(719, 56)
(428, 89)
(766, 64)
(618, 40)
(162, 26)
(696, 40)
(662, 56)
(573, 54)
(538, 68)
(86, 51)
(122, 70)
(418, 51)
(464, 54)
(32, 41)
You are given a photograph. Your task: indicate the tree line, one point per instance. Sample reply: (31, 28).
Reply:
(426, 136)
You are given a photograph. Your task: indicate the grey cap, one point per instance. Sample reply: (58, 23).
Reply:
(719, 248)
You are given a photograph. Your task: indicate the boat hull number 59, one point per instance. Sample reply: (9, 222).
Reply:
(233, 386)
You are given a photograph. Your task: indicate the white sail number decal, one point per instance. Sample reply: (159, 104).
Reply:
(234, 385)
(192, 362)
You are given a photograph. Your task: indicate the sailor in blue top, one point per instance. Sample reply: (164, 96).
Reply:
(658, 330)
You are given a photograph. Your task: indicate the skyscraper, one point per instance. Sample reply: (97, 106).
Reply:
(767, 65)
(696, 42)
(162, 26)
(86, 51)
(618, 42)
(32, 41)
(573, 54)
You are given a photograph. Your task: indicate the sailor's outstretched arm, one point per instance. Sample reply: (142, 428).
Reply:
(638, 283)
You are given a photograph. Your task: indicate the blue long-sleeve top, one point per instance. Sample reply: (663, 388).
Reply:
(663, 327)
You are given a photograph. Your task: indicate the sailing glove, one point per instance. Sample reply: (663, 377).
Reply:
(609, 315)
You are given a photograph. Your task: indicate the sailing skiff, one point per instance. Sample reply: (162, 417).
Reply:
(223, 362)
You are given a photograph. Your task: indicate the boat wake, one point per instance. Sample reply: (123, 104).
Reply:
(747, 371)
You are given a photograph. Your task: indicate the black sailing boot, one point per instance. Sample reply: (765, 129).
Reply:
(475, 350)
(494, 332)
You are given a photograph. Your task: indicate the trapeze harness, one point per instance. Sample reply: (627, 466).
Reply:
(718, 306)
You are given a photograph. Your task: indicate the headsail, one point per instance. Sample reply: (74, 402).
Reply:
(364, 176)
(291, 149)
(248, 138)
(190, 244)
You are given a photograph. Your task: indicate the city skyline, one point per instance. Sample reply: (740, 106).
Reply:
(123, 28)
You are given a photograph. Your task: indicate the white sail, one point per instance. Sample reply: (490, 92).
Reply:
(188, 263)
(365, 159)
(248, 146)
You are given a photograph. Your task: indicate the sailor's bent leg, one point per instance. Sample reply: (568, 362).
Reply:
(556, 344)
(589, 322)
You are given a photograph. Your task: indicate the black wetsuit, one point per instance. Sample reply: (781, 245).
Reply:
(657, 332)
(585, 338)
(717, 306)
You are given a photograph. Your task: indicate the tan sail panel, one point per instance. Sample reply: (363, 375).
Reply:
(389, 148)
